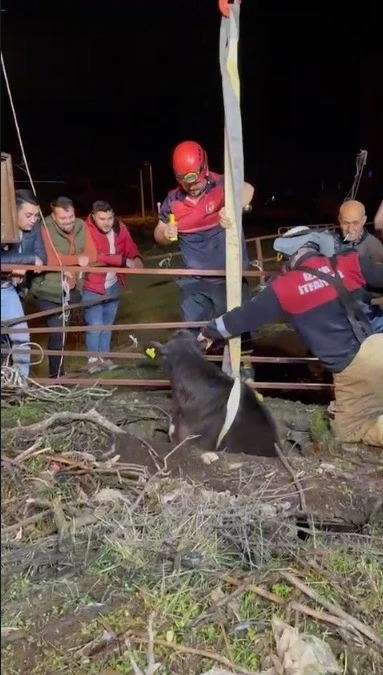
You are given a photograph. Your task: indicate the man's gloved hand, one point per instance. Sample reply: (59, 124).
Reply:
(210, 334)
(206, 343)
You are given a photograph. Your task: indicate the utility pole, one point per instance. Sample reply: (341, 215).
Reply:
(147, 189)
(9, 229)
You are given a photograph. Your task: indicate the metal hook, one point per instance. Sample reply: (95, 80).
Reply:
(224, 6)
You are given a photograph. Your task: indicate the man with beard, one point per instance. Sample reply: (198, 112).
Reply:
(67, 242)
(194, 214)
(115, 247)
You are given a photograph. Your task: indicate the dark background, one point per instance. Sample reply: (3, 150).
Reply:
(99, 87)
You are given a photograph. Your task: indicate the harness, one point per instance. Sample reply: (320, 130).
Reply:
(356, 317)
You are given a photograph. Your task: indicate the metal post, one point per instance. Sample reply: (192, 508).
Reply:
(142, 194)
(151, 188)
(9, 229)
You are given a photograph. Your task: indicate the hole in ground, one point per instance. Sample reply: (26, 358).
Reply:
(304, 527)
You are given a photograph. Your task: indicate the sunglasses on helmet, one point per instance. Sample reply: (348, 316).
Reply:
(192, 176)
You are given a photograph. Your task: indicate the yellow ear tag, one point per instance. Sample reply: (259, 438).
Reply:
(259, 396)
(151, 352)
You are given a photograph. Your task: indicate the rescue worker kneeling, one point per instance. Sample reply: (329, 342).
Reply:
(317, 294)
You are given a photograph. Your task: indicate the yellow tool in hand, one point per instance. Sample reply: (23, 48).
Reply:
(171, 221)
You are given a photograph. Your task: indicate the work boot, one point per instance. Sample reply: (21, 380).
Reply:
(95, 365)
(247, 372)
(109, 365)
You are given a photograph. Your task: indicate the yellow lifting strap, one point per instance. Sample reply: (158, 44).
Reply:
(234, 178)
(234, 171)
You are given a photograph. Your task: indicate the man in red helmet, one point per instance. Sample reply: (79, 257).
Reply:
(197, 206)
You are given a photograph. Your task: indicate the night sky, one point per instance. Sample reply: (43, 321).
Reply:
(98, 87)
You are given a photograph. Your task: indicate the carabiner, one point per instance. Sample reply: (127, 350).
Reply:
(224, 6)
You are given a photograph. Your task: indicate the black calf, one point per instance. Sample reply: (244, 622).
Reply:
(200, 393)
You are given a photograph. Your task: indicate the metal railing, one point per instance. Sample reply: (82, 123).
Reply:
(147, 327)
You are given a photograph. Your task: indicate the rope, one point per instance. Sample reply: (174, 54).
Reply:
(12, 382)
(361, 161)
(234, 179)
(64, 297)
(20, 346)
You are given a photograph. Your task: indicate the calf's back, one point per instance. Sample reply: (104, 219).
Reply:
(200, 393)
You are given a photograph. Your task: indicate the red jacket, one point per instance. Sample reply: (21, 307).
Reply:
(125, 248)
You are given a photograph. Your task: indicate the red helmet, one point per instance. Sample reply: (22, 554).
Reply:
(190, 162)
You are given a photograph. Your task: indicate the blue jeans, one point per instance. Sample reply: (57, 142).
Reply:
(11, 308)
(102, 314)
(202, 299)
(375, 316)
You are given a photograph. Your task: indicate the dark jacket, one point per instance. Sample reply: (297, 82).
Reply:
(24, 253)
(125, 249)
(367, 246)
(310, 305)
(31, 245)
(62, 248)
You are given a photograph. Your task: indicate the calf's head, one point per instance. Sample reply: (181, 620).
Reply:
(181, 349)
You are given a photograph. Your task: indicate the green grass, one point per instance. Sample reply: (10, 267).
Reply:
(140, 568)
(351, 579)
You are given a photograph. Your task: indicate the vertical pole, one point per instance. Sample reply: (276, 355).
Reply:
(151, 188)
(234, 171)
(258, 248)
(142, 194)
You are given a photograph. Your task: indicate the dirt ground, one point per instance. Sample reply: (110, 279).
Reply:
(71, 589)
(338, 481)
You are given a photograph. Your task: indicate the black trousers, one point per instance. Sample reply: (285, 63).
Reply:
(55, 340)
(202, 298)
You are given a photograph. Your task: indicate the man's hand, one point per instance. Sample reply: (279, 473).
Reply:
(135, 263)
(17, 277)
(83, 260)
(207, 343)
(224, 221)
(38, 262)
(171, 231)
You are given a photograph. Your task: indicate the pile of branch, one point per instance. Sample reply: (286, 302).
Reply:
(101, 491)
(16, 387)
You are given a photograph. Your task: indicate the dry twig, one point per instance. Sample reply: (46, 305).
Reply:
(337, 618)
(27, 521)
(90, 416)
(293, 475)
(334, 609)
(184, 649)
(262, 592)
(242, 587)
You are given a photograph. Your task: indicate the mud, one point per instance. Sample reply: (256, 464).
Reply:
(339, 481)
(52, 619)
